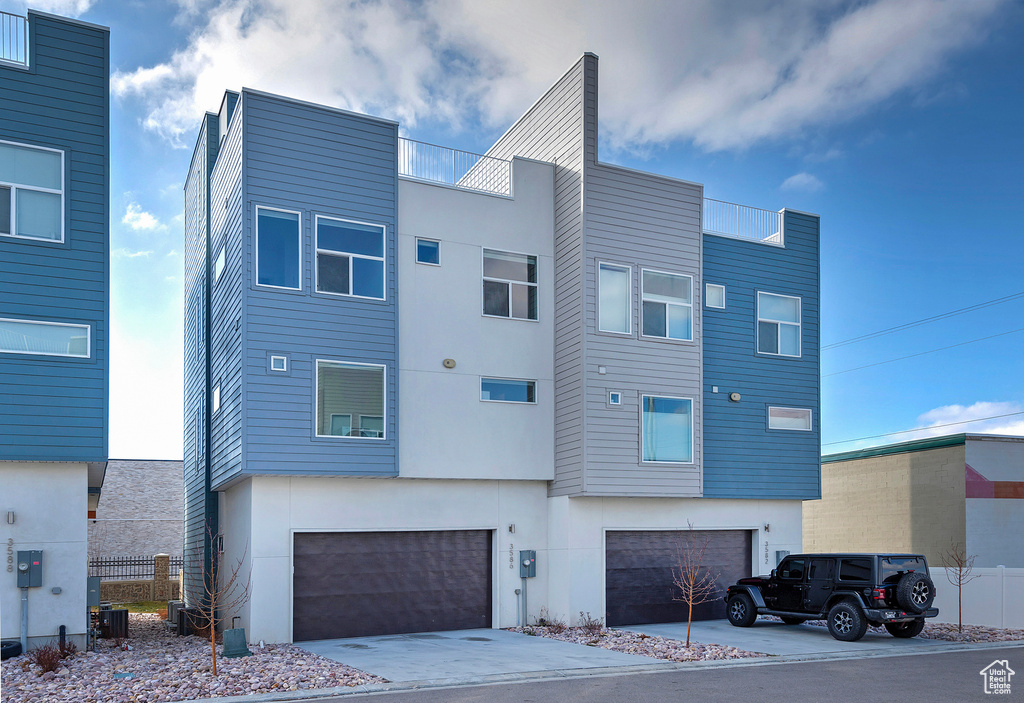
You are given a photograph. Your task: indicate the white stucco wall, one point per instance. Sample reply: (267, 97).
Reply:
(447, 431)
(50, 502)
(993, 523)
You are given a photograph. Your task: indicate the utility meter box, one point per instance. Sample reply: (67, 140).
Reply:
(527, 563)
(92, 596)
(30, 568)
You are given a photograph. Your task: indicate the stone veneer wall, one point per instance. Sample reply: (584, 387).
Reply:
(140, 511)
(910, 502)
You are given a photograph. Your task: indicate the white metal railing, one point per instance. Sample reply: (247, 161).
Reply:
(743, 222)
(13, 39)
(462, 169)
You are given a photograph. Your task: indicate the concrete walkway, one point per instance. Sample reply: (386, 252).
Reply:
(464, 654)
(779, 639)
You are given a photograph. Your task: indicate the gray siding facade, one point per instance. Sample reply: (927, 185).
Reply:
(55, 408)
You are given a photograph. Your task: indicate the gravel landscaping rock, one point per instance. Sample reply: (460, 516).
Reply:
(637, 643)
(947, 632)
(165, 667)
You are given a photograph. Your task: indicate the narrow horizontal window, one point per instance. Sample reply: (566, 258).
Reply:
(667, 429)
(508, 390)
(349, 258)
(44, 338)
(789, 418)
(510, 285)
(278, 247)
(614, 307)
(350, 400)
(667, 306)
(778, 324)
(428, 251)
(31, 192)
(714, 295)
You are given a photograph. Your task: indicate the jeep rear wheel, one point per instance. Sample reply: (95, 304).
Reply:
(905, 630)
(915, 592)
(846, 623)
(740, 610)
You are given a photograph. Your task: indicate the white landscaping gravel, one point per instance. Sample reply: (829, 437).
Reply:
(171, 668)
(643, 645)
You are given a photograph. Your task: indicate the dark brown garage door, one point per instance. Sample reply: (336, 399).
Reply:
(353, 584)
(638, 573)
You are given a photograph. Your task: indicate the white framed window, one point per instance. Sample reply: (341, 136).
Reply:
(216, 398)
(614, 398)
(278, 363)
(428, 251)
(218, 265)
(778, 324)
(349, 395)
(508, 390)
(350, 258)
(667, 305)
(45, 338)
(789, 418)
(278, 248)
(509, 285)
(666, 429)
(615, 286)
(714, 295)
(31, 192)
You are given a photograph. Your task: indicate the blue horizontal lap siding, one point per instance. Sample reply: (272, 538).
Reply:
(315, 161)
(54, 408)
(742, 458)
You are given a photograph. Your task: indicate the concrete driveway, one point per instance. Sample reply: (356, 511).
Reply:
(466, 655)
(779, 639)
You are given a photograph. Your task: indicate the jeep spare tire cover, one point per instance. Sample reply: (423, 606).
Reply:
(915, 592)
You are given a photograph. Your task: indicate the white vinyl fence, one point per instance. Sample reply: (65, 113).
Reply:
(995, 598)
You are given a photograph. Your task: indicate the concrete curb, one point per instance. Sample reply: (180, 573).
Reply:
(652, 668)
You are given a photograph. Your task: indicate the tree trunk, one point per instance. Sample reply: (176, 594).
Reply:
(689, 621)
(960, 608)
(213, 645)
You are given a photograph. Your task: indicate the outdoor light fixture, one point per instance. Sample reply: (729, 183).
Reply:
(10, 517)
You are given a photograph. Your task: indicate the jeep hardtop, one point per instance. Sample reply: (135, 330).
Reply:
(849, 591)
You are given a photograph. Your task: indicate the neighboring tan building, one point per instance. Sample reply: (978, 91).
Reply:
(141, 510)
(922, 497)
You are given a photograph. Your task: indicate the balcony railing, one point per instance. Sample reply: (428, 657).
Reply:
(743, 222)
(13, 39)
(461, 169)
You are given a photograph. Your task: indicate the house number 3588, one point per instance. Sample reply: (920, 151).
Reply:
(511, 556)
(10, 554)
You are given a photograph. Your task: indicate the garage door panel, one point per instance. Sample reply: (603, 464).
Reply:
(353, 584)
(639, 584)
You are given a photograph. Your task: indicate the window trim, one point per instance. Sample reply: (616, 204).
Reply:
(615, 403)
(508, 402)
(810, 419)
(256, 248)
(416, 250)
(336, 252)
(693, 448)
(535, 284)
(316, 397)
(14, 195)
(629, 297)
(689, 305)
(282, 357)
(79, 325)
(778, 330)
(708, 305)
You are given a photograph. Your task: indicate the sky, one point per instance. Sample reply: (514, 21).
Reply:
(898, 121)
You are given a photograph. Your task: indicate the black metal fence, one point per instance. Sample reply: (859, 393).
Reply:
(131, 568)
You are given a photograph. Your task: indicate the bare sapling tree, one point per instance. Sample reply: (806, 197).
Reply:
(696, 582)
(215, 589)
(959, 572)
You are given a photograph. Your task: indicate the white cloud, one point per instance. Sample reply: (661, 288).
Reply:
(723, 74)
(128, 254)
(803, 181)
(939, 421)
(68, 8)
(138, 219)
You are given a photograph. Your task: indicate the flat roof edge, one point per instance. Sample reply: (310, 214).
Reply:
(69, 20)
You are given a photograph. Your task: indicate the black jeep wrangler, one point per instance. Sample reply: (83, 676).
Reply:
(849, 591)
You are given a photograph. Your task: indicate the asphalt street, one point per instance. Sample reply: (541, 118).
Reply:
(950, 676)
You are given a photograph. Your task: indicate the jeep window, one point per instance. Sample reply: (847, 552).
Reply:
(855, 570)
(820, 569)
(894, 567)
(792, 569)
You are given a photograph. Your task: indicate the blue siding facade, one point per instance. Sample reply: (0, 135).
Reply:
(55, 408)
(742, 457)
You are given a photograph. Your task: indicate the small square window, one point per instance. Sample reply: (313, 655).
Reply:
(714, 295)
(428, 251)
(614, 398)
(279, 363)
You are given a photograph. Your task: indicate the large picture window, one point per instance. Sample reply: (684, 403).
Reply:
(778, 324)
(349, 258)
(45, 338)
(278, 248)
(667, 429)
(510, 285)
(614, 289)
(349, 400)
(667, 305)
(31, 192)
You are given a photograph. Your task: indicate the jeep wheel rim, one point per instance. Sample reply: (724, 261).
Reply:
(738, 610)
(920, 593)
(843, 623)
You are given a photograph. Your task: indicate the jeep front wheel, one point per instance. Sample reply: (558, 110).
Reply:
(905, 630)
(740, 610)
(846, 623)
